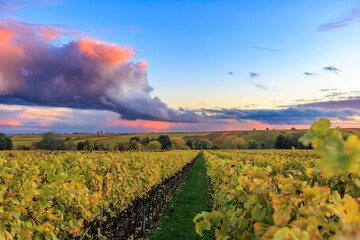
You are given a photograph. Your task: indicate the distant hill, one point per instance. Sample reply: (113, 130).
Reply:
(262, 136)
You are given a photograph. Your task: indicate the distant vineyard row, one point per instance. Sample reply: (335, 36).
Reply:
(47, 195)
(286, 194)
(50, 141)
(221, 139)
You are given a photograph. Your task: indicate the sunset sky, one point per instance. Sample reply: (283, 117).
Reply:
(141, 66)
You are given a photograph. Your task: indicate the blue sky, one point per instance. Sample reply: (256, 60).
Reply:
(200, 54)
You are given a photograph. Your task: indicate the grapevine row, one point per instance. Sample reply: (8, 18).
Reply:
(46, 195)
(286, 194)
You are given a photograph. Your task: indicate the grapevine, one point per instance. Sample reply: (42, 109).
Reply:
(287, 194)
(54, 195)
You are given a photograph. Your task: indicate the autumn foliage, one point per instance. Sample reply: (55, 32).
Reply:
(287, 194)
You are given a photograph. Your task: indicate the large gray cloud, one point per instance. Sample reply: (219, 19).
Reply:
(84, 74)
(351, 103)
(291, 115)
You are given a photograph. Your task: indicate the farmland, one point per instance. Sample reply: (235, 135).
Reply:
(254, 193)
(110, 139)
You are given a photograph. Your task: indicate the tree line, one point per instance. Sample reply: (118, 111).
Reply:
(51, 141)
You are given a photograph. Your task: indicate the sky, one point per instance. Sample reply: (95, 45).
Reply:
(142, 66)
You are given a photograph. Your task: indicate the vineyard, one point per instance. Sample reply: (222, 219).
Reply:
(286, 194)
(67, 195)
(255, 194)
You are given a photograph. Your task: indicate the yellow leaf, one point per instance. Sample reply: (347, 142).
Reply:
(309, 172)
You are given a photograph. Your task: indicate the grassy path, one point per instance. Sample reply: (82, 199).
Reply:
(191, 199)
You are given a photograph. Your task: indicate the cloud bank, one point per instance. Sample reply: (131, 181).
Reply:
(15, 119)
(291, 115)
(84, 74)
(351, 103)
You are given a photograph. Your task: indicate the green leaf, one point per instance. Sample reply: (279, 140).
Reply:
(317, 129)
(258, 213)
(336, 197)
(16, 214)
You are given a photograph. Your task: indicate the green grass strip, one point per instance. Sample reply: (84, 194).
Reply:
(191, 199)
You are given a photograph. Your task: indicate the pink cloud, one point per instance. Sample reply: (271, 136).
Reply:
(84, 74)
(49, 33)
(108, 53)
(41, 114)
(140, 125)
(10, 123)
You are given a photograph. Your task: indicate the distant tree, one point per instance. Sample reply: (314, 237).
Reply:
(165, 141)
(9, 143)
(135, 138)
(234, 142)
(289, 141)
(5, 142)
(252, 144)
(100, 147)
(281, 142)
(134, 145)
(203, 144)
(154, 145)
(70, 144)
(122, 146)
(293, 128)
(184, 147)
(190, 144)
(263, 146)
(88, 145)
(239, 143)
(51, 142)
(145, 141)
(254, 129)
(294, 141)
(22, 147)
(80, 146)
(215, 147)
(178, 142)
